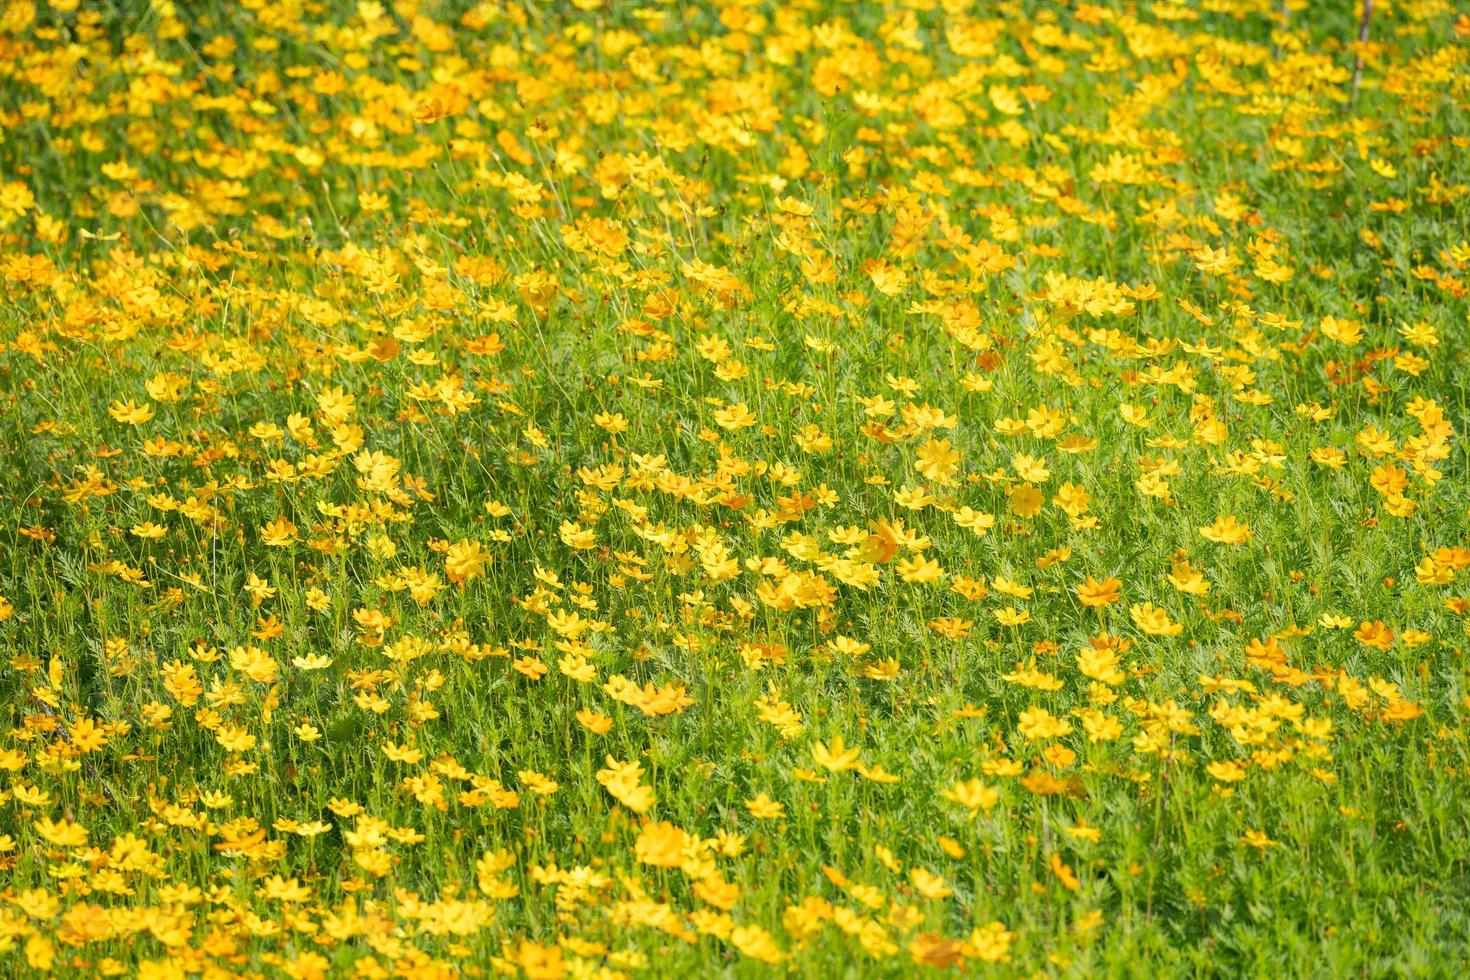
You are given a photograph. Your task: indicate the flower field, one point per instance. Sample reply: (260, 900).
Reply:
(808, 488)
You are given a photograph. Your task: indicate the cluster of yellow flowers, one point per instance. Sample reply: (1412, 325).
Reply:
(591, 489)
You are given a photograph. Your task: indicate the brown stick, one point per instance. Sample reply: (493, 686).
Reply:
(1362, 40)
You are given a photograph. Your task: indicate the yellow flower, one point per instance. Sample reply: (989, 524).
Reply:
(835, 755)
(973, 794)
(919, 570)
(594, 721)
(62, 833)
(1153, 620)
(661, 844)
(1038, 723)
(465, 560)
(1101, 664)
(255, 664)
(1096, 594)
(1186, 578)
(1226, 771)
(938, 461)
(1025, 500)
(762, 807)
(991, 943)
(621, 780)
(279, 533)
(1226, 530)
(737, 416)
(1258, 839)
(1345, 332)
